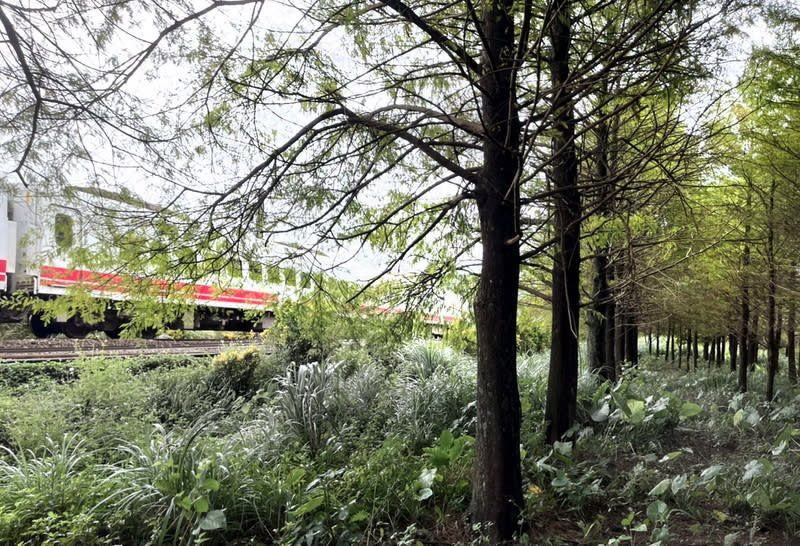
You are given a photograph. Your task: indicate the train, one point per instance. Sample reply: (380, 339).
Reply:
(39, 236)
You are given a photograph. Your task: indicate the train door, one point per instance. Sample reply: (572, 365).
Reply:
(8, 243)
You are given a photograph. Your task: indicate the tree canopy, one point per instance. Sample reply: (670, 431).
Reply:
(472, 140)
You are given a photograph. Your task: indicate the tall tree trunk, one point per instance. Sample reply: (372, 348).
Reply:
(773, 343)
(744, 338)
(791, 325)
(632, 338)
(672, 336)
(658, 340)
(497, 476)
(688, 345)
(754, 342)
(611, 329)
(695, 351)
(734, 345)
(597, 322)
(562, 385)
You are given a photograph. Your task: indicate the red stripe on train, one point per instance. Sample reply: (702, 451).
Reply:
(64, 277)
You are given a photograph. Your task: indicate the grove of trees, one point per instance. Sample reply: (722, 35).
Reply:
(605, 159)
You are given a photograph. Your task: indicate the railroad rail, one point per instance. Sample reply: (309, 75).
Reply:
(40, 350)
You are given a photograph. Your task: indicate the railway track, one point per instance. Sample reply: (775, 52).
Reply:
(39, 350)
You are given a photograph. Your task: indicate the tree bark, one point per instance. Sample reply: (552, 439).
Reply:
(773, 343)
(658, 341)
(611, 329)
(734, 345)
(744, 339)
(597, 320)
(754, 342)
(632, 338)
(791, 325)
(497, 477)
(562, 385)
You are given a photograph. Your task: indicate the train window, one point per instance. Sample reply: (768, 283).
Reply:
(235, 268)
(256, 271)
(64, 231)
(274, 275)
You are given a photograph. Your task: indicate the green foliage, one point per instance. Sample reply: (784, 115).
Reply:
(304, 398)
(18, 374)
(235, 370)
(435, 391)
(532, 334)
(47, 497)
(170, 488)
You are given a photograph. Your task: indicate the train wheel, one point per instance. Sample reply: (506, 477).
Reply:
(75, 328)
(41, 329)
(148, 333)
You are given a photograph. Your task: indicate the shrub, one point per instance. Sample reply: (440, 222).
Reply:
(47, 497)
(165, 362)
(20, 374)
(234, 370)
(170, 490)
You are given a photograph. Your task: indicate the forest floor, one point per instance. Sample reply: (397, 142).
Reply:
(723, 517)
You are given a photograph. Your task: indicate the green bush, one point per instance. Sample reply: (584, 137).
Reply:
(20, 374)
(165, 362)
(48, 497)
(234, 370)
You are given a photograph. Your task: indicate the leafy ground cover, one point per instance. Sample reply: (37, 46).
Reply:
(357, 449)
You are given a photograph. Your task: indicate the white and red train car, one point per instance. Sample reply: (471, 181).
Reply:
(37, 233)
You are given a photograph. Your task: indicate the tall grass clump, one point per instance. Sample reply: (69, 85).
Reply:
(178, 488)
(303, 399)
(435, 390)
(47, 496)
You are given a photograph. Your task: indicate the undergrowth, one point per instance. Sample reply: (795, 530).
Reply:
(358, 449)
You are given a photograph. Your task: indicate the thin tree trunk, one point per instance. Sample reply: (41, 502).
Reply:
(695, 352)
(611, 330)
(562, 385)
(734, 345)
(744, 339)
(773, 343)
(791, 325)
(597, 320)
(658, 340)
(632, 339)
(754, 343)
(672, 336)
